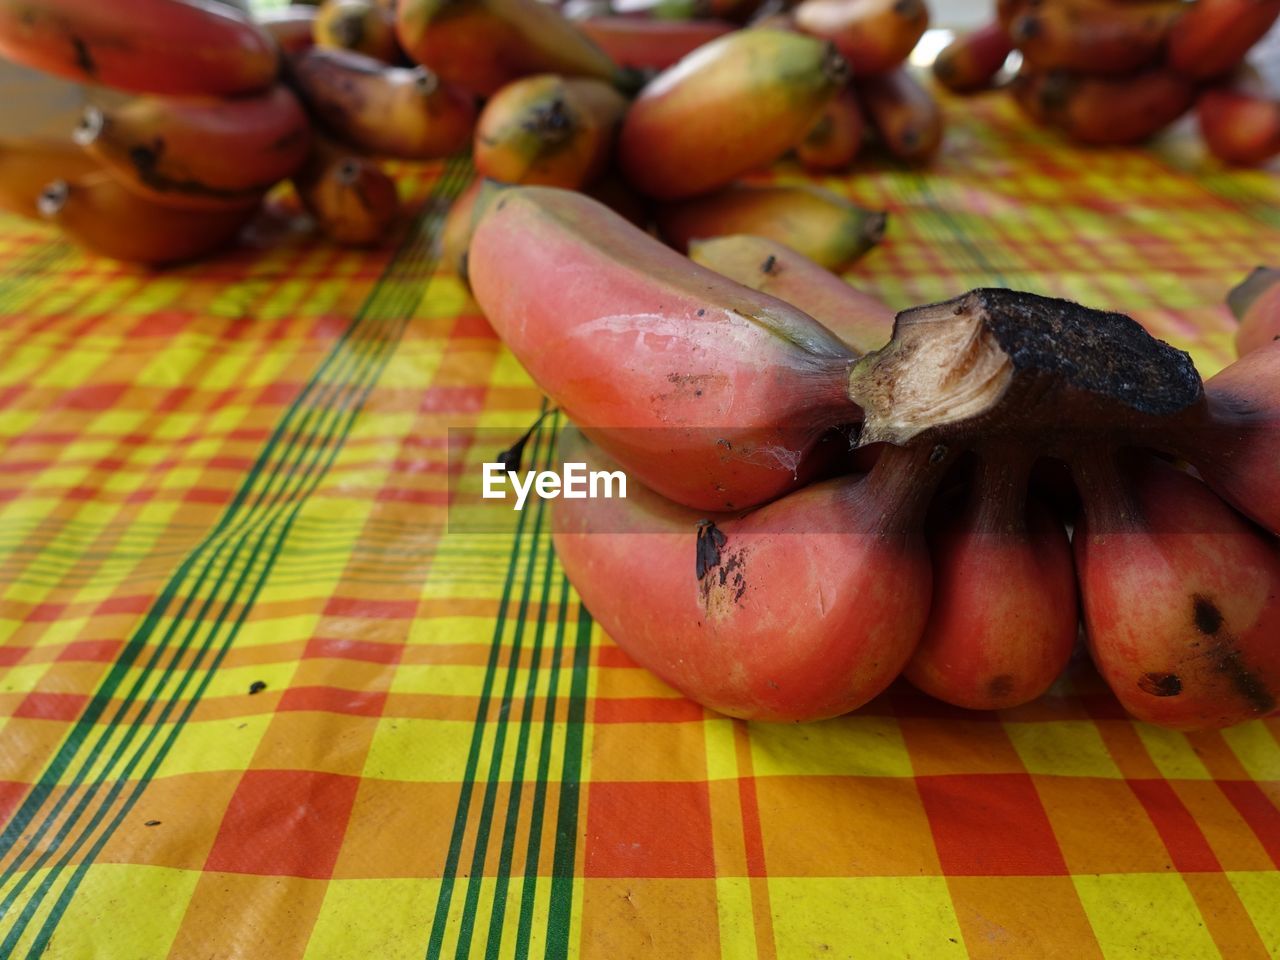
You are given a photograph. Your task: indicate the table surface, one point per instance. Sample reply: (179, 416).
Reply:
(235, 473)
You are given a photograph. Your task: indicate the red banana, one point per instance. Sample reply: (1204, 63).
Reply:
(904, 113)
(201, 153)
(1213, 36)
(801, 610)
(27, 166)
(1108, 111)
(1094, 36)
(972, 60)
(651, 44)
(103, 216)
(176, 47)
(1255, 302)
(481, 45)
(1236, 445)
(1181, 596)
(1003, 622)
(389, 111)
(834, 141)
(874, 35)
(1239, 127)
(710, 393)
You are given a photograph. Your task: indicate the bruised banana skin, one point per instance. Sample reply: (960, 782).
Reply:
(200, 153)
(28, 165)
(1003, 621)
(834, 141)
(972, 61)
(482, 45)
(1238, 127)
(398, 112)
(904, 113)
(801, 610)
(1255, 302)
(172, 47)
(1093, 37)
(859, 319)
(820, 225)
(710, 393)
(767, 88)
(1181, 598)
(651, 44)
(875, 35)
(106, 218)
(1213, 36)
(549, 130)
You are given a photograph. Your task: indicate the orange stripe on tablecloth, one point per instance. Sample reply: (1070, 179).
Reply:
(753, 841)
(1225, 917)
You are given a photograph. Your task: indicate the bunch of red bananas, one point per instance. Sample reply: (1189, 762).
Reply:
(806, 521)
(1107, 72)
(229, 106)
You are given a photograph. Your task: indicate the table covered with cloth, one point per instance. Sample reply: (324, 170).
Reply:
(258, 701)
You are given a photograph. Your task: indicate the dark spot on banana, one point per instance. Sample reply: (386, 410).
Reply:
(1208, 618)
(1000, 686)
(1160, 684)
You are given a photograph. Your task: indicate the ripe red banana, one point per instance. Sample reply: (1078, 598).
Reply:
(1094, 36)
(1123, 110)
(650, 44)
(857, 318)
(389, 111)
(821, 225)
(548, 130)
(710, 393)
(1255, 302)
(803, 609)
(972, 60)
(200, 153)
(1004, 620)
(1235, 443)
(1181, 596)
(175, 47)
(1239, 127)
(874, 35)
(834, 141)
(27, 166)
(904, 113)
(481, 45)
(1213, 36)
(766, 89)
(107, 218)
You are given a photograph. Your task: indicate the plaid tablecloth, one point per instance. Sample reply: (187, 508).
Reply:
(258, 703)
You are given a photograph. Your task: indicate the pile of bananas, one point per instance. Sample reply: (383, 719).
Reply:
(1119, 73)
(806, 522)
(227, 106)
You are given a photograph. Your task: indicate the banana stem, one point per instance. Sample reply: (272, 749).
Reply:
(1109, 503)
(902, 483)
(998, 503)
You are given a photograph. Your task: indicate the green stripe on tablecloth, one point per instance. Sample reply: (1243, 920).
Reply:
(444, 898)
(379, 323)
